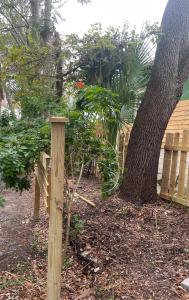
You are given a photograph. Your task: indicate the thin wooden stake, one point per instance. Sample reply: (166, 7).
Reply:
(56, 208)
(36, 200)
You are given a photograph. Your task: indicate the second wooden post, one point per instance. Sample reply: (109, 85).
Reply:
(56, 208)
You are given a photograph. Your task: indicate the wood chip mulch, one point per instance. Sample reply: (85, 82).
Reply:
(123, 252)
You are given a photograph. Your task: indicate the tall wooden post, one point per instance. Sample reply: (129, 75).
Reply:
(56, 208)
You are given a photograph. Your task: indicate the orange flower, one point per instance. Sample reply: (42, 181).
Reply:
(79, 85)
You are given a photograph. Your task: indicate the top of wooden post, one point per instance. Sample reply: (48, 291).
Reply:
(58, 120)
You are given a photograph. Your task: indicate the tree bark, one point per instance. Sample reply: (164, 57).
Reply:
(59, 69)
(47, 30)
(35, 18)
(171, 69)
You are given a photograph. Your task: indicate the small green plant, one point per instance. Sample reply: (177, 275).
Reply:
(77, 226)
(66, 264)
(2, 201)
(11, 283)
(109, 169)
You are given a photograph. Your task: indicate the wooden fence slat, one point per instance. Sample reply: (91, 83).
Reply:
(124, 151)
(174, 165)
(167, 164)
(182, 169)
(37, 199)
(187, 187)
(49, 191)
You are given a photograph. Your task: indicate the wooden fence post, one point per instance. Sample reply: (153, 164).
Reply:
(37, 199)
(56, 208)
(167, 164)
(174, 165)
(182, 169)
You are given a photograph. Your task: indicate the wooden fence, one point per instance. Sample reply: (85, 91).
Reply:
(42, 184)
(175, 176)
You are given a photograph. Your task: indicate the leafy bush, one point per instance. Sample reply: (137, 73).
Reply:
(109, 169)
(20, 146)
(83, 146)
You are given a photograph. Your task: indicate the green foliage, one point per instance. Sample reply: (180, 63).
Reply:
(66, 264)
(35, 107)
(2, 201)
(83, 146)
(119, 60)
(77, 225)
(109, 169)
(20, 145)
(101, 105)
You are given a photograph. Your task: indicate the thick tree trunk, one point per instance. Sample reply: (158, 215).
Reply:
(162, 94)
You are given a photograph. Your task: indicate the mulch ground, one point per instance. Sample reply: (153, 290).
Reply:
(122, 252)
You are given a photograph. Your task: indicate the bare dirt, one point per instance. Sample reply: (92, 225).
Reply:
(122, 252)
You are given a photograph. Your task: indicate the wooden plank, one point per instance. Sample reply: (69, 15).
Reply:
(174, 164)
(42, 185)
(45, 160)
(85, 199)
(180, 126)
(175, 199)
(165, 196)
(180, 200)
(56, 209)
(43, 176)
(178, 118)
(177, 148)
(166, 164)
(182, 169)
(36, 200)
(183, 103)
(181, 108)
(187, 187)
(49, 192)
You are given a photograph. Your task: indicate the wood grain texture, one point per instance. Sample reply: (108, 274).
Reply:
(167, 164)
(172, 184)
(36, 200)
(182, 168)
(56, 210)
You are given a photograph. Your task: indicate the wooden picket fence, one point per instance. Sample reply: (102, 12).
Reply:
(42, 184)
(175, 176)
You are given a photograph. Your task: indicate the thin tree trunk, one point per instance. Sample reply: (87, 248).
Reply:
(9, 100)
(35, 18)
(58, 63)
(162, 95)
(47, 27)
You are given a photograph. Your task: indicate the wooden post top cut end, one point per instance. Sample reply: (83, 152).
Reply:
(58, 120)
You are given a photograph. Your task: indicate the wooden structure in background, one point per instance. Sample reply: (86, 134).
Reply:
(175, 177)
(42, 184)
(179, 120)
